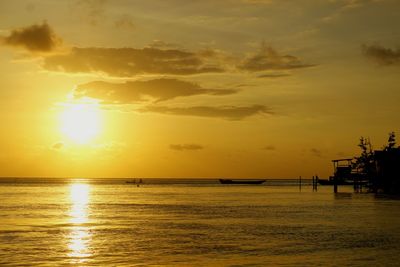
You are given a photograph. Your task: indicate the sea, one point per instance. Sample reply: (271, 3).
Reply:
(193, 222)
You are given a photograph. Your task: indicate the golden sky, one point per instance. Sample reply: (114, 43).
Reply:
(234, 88)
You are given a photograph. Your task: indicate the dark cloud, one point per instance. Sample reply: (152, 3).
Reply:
(58, 146)
(269, 59)
(223, 112)
(182, 147)
(135, 91)
(35, 38)
(127, 62)
(382, 55)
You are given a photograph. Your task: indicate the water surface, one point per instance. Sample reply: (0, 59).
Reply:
(81, 222)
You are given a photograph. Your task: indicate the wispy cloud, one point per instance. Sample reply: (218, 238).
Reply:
(34, 38)
(137, 91)
(269, 59)
(90, 11)
(124, 22)
(127, 62)
(164, 59)
(382, 55)
(183, 147)
(273, 75)
(345, 6)
(316, 152)
(222, 112)
(350, 4)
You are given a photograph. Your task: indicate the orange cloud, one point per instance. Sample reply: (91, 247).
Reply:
(127, 62)
(223, 112)
(136, 91)
(269, 59)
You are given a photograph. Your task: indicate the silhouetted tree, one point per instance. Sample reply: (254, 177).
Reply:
(365, 163)
(391, 144)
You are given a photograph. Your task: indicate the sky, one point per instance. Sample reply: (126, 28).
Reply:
(234, 88)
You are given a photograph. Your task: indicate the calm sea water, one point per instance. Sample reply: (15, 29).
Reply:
(77, 222)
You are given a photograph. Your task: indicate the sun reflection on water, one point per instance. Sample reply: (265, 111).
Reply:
(79, 195)
(79, 237)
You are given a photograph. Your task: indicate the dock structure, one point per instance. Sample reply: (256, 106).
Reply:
(342, 172)
(345, 174)
(384, 175)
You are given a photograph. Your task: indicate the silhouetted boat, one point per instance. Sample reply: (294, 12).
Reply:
(243, 181)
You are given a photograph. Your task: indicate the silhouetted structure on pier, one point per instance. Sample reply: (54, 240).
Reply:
(378, 170)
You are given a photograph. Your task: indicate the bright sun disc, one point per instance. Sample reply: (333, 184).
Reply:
(80, 122)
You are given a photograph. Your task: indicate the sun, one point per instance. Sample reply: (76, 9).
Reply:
(80, 122)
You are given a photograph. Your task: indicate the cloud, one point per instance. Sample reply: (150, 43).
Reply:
(30, 7)
(35, 38)
(316, 152)
(273, 75)
(127, 62)
(269, 59)
(345, 6)
(223, 112)
(57, 146)
(90, 11)
(159, 44)
(124, 22)
(351, 4)
(382, 55)
(136, 91)
(182, 147)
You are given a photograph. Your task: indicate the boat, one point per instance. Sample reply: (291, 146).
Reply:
(241, 181)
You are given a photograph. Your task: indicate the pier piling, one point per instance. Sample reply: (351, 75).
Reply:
(299, 183)
(335, 184)
(315, 183)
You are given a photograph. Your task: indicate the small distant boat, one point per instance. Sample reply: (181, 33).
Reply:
(241, 181)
